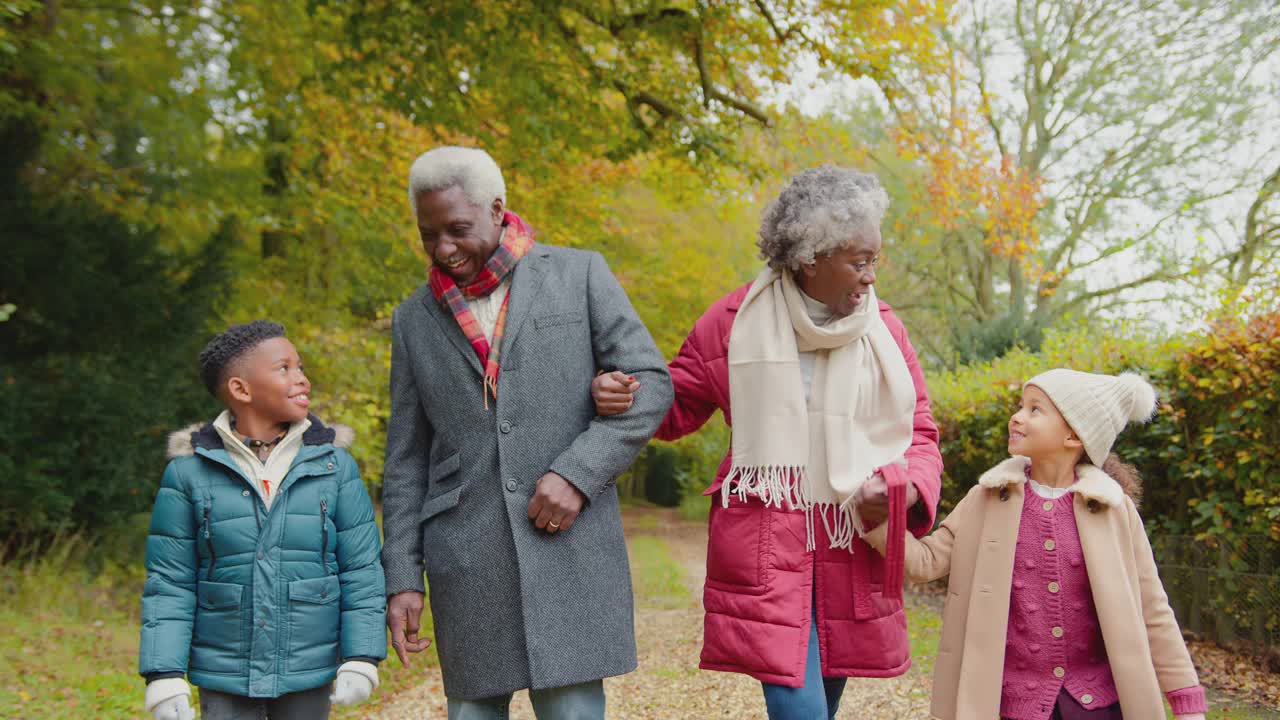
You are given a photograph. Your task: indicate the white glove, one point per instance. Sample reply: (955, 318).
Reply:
(355, 683)
(170, 699)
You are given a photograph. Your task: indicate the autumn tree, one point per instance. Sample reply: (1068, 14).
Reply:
(1070, 148)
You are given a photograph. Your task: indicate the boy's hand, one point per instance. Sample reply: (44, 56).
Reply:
(169, 699)
(355, 683)
(404, 613)
(613, 392)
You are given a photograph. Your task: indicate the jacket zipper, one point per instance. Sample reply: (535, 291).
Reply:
(208, 539)
(324, 534)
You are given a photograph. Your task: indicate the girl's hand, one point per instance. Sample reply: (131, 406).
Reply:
(613, 392)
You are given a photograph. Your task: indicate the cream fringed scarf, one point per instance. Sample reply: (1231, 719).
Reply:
(859, 416)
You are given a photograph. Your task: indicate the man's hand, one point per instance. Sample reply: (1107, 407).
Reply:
(404, 613)
(613, 392)
(872, 500)
(555, 504)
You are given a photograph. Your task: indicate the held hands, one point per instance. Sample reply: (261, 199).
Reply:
(169, 699)
(613, 392)
(555, 504)
(872, 500)
(404, 613)
(355, 683)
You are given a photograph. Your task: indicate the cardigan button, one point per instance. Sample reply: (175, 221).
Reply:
(1085, 699)
(1049, 545)
(1059, 672)
(1053, 586)
(512, 484)
(1056, 632)
(244, 493)
(505, 427)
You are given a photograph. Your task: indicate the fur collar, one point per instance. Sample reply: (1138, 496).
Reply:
(185, 441)
(1091, 483)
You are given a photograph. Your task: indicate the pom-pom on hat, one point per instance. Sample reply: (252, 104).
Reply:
(1097, 407)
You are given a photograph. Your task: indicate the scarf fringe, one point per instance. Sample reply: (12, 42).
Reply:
(791, 487)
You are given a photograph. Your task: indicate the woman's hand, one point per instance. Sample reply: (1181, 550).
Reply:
(872, 500)
(613, 392)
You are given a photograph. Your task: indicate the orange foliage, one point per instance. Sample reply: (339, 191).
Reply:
(967, 191)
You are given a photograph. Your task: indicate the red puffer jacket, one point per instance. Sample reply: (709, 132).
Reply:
(760, 578)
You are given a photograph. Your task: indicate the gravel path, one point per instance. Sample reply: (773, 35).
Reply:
(668, 685)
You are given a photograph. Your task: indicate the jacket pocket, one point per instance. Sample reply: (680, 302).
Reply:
(546, 321)
(218, 634)
(445, 468)
(313, 624)
(738, 554)
(440, 503)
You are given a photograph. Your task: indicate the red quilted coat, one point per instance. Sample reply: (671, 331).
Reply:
(760, 579)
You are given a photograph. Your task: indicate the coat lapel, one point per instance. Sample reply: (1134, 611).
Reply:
(988, 612)
(1109, 561)
(449, 326)
(526, 281)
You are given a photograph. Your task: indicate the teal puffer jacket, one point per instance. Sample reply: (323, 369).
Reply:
(254, 602)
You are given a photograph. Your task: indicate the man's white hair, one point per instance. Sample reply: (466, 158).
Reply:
(468, 168)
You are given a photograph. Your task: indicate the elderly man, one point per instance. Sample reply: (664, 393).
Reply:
(499, 476)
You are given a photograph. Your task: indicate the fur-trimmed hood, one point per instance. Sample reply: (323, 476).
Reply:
(1091, 482)
(185, 441)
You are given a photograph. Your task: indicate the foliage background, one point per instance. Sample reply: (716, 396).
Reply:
(1073, 182)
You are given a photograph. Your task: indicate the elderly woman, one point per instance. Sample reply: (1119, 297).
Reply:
(831, 434)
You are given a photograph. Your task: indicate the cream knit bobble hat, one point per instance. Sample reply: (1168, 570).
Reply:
(1097, 407)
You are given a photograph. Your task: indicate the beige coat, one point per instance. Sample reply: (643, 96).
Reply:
(975, 546)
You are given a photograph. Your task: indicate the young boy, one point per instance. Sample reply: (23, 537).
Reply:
(264, 585)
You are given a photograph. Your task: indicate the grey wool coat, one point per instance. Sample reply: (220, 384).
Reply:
(513, 606)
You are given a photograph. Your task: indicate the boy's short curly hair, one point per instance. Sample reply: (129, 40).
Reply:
(222, 351)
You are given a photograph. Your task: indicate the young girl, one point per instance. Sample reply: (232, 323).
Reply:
(1054, 609)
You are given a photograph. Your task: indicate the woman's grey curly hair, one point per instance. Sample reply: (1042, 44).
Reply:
(819, 212)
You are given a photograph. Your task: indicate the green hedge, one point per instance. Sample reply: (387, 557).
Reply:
(1210, 459)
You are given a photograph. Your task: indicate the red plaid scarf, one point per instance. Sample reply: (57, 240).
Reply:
(516, 241)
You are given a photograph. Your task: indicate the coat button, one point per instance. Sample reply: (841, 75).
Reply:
(505, 426)
(244, 493)
(1053, 586)
(1059, 672)
(512, 484)
(329, 466)
(1049, 544)
(1085, 699)
(1057, 631)
(324, 594)
(261, 556)
(1048, 505)
(262, 623)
